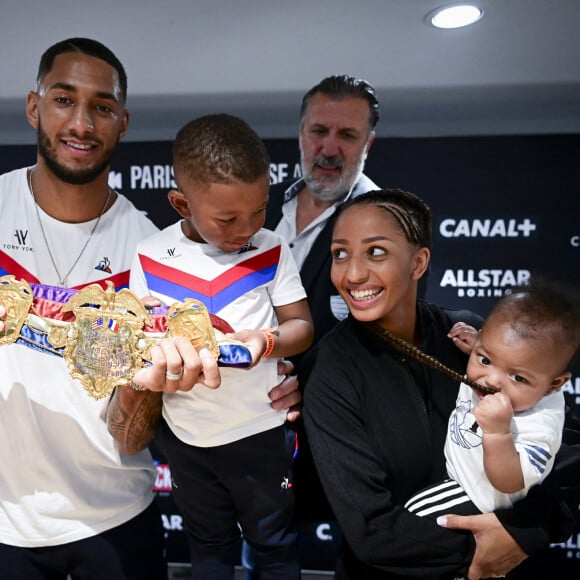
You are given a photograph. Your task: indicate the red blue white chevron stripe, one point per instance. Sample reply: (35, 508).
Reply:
(218, 292)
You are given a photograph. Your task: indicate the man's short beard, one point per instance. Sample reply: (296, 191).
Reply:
(323, 192)
(74, 177)
(338, 189)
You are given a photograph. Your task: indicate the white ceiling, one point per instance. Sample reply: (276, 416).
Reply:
(515, 71)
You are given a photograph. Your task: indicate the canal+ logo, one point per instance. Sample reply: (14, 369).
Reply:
(486, 228)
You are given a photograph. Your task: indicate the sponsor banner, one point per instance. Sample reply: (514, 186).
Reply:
(504, 209)
(572, 389)
(486, 228)
(163, 484)
(176, 547)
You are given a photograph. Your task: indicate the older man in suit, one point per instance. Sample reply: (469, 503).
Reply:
(337, 121)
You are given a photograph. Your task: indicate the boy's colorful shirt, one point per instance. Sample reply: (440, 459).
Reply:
(242, 288)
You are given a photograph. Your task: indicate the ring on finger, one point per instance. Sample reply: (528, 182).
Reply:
(174, 376)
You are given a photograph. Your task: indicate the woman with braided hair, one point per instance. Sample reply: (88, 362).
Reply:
(376, 416)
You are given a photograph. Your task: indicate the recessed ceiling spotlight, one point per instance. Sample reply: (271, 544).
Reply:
(455, 16)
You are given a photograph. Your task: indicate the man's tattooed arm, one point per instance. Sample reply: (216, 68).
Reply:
(132, 417)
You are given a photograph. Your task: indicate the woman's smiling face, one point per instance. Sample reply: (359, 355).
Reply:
(374, 266)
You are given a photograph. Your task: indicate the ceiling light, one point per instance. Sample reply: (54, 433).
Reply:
(455, 16)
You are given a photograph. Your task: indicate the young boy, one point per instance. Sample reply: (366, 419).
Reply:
(500, 445)
(229, 452)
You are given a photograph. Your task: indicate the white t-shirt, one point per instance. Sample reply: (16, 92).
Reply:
(242, 288)
(537, 437)
(62, 478)
(301, 243)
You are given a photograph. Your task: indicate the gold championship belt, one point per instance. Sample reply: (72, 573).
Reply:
(16, 296)
(105, 341)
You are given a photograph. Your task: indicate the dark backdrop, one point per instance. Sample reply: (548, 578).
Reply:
(503, 208)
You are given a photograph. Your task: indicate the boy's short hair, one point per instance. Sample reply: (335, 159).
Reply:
(546, 309)
(86, 46)
(219, 148)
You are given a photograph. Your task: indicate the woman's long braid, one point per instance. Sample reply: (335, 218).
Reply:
(411, 350)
